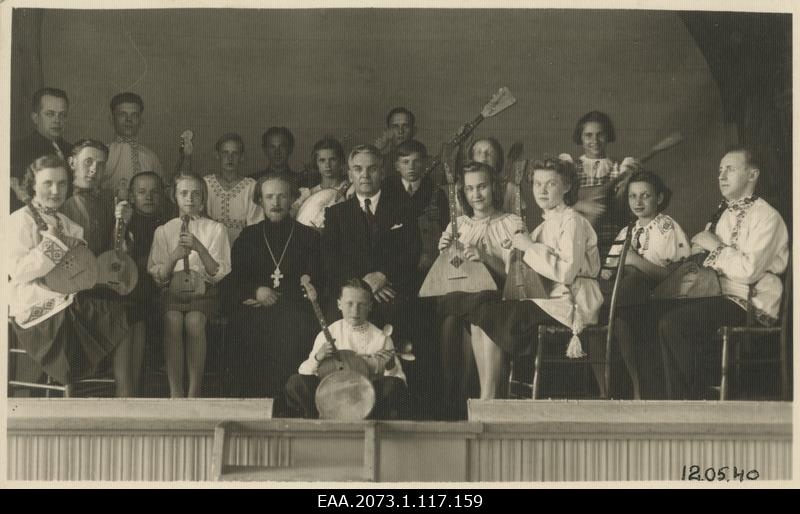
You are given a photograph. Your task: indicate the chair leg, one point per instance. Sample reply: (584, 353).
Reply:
(68, 390)
(607, 367)
(723, 389)
(784, 364)
(665, 364)
(537, 365)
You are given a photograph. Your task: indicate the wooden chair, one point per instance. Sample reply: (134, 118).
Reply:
(94, 386)
(733, 337)
(606, 330)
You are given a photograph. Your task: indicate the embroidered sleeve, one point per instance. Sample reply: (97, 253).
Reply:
(563, 262)
(748, 260)
(31, 260)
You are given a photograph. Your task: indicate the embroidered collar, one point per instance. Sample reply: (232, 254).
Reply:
(359, 329)
(741, 203)
(50, 211)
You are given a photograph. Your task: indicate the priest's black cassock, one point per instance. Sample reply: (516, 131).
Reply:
(267, 344)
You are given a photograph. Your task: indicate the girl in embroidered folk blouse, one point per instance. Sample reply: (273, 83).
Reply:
(209, 254)
(67, 335)
(657, 241)
(486, 233)
(230, 199)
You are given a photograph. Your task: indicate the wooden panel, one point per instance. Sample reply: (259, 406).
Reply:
(557, 441)
(196, 409)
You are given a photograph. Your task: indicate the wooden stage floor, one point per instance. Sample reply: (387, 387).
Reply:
(519, 441)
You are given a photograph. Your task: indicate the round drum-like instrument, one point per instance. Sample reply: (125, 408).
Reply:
(345, 395)
(312, 211)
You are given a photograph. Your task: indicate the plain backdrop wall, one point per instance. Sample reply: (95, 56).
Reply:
(339, 71)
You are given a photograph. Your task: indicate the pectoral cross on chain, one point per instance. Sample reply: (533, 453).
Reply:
(276, 277)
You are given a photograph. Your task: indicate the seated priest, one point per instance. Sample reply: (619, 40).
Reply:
(271, 326)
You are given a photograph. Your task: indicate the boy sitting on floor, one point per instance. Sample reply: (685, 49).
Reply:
(354, 333)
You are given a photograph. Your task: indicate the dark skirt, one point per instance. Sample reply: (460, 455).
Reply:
(511, 324)
(72, 344)
(143, 303)
(208, 303)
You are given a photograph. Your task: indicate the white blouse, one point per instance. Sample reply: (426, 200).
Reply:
(31, 255)
(492, 237)
(565, 251)
(755, 249)
(210, 233)
(365, 340)
(233, 208)
(662, 241)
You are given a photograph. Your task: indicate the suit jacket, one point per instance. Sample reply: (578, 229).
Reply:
(351, 249)
(24, 151)
(421, 202)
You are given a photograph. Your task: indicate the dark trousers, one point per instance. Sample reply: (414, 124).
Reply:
(391, 398)
(687, 333)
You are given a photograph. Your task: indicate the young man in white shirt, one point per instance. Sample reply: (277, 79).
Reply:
(126, 155)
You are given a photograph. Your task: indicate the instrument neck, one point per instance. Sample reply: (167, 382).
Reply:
(451, 202)
(457, 139)
(119, 230)
(185, 228)
(469, 127)
(324, 325)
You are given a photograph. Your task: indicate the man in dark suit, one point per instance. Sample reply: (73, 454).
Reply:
(49, 116)
(374, 236)
(429, 207)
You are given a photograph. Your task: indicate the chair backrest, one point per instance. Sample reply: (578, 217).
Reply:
(618, 278)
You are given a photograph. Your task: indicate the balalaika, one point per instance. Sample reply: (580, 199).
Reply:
(522, 281)
(452, 272)
(76, 271)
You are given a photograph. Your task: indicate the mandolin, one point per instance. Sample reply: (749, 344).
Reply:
(345, 391)
(600, 193)
(186, 284)
(452, 271)
(76, 271)
(522, 281)
(116, 268)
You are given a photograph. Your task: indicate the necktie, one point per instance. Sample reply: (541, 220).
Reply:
(133, 145)
(368, 211)
(410, 189)
(58, 150)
